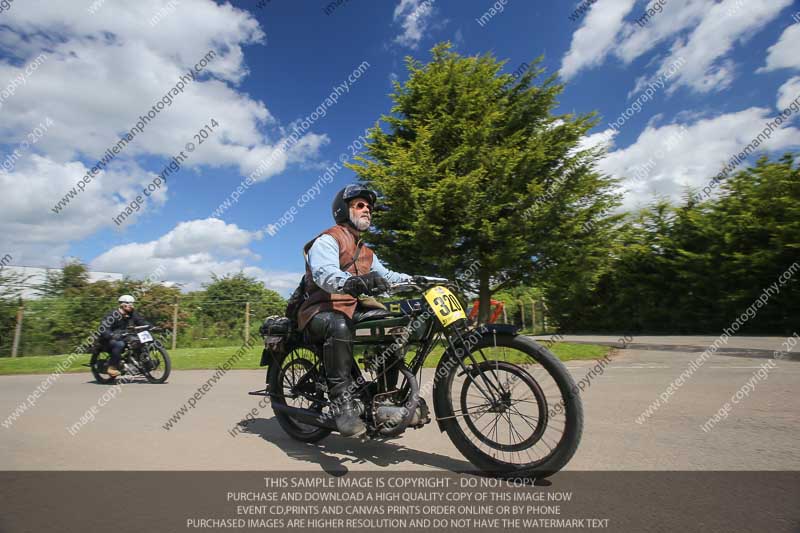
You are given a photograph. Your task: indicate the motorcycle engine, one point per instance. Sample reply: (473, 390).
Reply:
(387, 413)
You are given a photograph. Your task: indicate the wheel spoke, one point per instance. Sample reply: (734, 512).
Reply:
(525, 417)
(487, 424)
(478, 406)
(533, 401)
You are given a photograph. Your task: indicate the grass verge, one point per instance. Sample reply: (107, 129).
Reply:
(209, 358)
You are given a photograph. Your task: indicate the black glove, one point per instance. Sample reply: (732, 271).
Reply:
(371, 284)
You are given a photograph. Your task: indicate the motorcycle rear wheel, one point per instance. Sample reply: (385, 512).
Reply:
(99, 366)
(292, 381)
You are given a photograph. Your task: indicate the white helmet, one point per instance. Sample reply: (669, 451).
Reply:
(126, 299)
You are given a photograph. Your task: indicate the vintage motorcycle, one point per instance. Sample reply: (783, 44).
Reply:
(506, 402)
(143, 355)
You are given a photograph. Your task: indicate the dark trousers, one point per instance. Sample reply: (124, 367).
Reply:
(334, 331)
(115, 348)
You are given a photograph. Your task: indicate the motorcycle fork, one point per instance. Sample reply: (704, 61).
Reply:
(491, 388)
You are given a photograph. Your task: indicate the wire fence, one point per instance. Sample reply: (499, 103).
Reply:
(36, 327)
(50, 327)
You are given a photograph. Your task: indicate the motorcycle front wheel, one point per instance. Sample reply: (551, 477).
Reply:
(514, 412)
(156, 363)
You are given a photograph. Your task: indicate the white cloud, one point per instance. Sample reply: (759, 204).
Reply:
(284, 283)
(107, 71)
(414, 17)
(191, 252)
(720, 29)
(788, 93)
(665, 160)
(458, 38)
(209, 234)
(676, 17)
(101, 73)
(603, 140)
(703, 32)
(37, 236)
(595, 38)
(786, 52)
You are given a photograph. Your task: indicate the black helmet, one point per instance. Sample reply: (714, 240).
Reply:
(341, 212)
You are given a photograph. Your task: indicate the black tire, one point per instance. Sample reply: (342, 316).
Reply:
(160, 357)
(301, 361)
(450, 407)
(99, 364)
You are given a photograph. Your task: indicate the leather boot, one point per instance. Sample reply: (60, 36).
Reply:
(337, 356)
(348, 413)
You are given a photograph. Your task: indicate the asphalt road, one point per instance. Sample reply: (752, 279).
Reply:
(127, 433)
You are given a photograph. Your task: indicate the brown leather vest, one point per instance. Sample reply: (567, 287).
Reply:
(318, 298)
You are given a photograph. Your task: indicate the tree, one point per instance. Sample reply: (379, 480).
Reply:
(476, 167)
(699, 266)
(757, 220)
(517, 303)
(11, 286)
(71, 279)
(154, 301)
(225, 297)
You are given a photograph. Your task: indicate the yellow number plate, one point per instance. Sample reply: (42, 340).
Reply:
(446, 306)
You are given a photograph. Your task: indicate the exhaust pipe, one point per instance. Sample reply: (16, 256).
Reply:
(306, 416)
(407, 412)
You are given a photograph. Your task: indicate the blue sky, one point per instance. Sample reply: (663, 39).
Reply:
(726, 68)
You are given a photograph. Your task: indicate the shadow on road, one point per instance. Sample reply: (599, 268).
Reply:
(334, 452)
(138, 380)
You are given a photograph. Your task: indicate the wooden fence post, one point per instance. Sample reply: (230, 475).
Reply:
(544, 313)
(533, 316)
(175, 324)
(18, 329)
(246, 321)
(522, 312)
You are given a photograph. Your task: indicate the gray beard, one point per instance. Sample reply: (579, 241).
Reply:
(359, 223)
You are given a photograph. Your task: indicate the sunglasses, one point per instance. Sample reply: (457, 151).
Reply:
(361, 205)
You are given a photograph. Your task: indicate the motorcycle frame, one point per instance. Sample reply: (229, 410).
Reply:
(454, 335)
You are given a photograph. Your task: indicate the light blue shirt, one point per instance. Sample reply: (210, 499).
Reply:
(323, 258)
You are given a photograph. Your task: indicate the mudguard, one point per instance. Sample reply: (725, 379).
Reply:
(271, 355)
(265, 357)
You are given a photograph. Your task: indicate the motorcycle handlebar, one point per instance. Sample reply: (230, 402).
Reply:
(420, 283)
(148, 327)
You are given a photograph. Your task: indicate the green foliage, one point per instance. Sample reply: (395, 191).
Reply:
(211, 358)
(699, 266)
(73, 307)
(517, 304)
(476, 167)
(154, 301)
(225, 297)
(10, 290)
(71, 279)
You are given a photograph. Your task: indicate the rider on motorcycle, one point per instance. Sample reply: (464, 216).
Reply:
(116, 322)
(339, 267)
